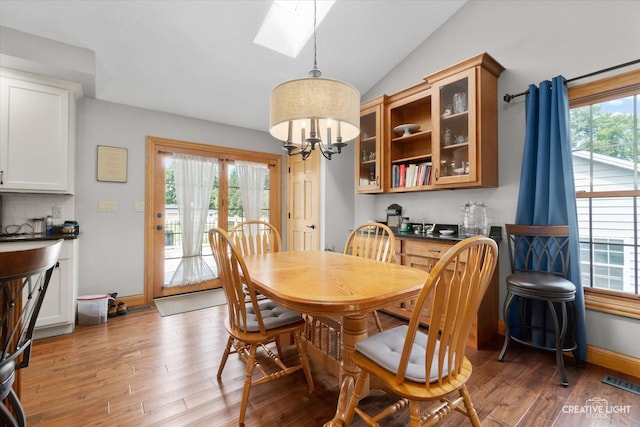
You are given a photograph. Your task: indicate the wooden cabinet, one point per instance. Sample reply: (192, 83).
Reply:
(442, 133)
(58, 312)
(424, 254)
(369, 154)
(37, 136)
(409, 136)
(465, 124)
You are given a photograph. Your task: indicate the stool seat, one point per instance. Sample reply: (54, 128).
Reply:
(541, 286)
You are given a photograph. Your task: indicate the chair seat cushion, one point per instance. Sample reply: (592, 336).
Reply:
(273, 316)
(385, 348)
(540, 285)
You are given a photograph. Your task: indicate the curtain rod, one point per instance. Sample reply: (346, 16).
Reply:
(508, 97)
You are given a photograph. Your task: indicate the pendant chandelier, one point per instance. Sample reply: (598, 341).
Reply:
(314, 112)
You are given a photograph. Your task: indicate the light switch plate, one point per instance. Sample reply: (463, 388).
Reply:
(56, 212)
(138, 206)
(107, 206)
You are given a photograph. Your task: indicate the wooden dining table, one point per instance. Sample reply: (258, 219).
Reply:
(323, 283)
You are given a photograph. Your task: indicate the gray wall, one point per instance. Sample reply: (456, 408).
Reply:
(534, 41)
(112, 243)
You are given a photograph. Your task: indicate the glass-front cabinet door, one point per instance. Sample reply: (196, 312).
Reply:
(454, 129)
(368, 153)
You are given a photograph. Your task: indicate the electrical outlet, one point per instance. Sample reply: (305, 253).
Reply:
(56, 212)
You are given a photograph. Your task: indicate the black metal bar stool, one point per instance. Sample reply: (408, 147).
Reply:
(539, 258)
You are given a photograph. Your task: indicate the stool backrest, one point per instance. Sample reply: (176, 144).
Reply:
(539, 248)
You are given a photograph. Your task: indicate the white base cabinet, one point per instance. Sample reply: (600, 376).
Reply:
(58, 312)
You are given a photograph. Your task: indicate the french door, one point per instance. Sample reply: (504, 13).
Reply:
(163, 233)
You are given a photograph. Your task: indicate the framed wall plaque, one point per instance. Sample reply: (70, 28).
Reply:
(112, 164)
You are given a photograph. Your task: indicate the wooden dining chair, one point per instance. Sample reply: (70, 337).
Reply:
(24, 278)
(254, 324)
(427, 367)
(372, 240)
(256, 237)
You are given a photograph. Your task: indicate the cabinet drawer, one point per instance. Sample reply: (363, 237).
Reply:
(425, 249)
(423, 263)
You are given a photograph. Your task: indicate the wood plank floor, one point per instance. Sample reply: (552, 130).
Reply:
(141, 369)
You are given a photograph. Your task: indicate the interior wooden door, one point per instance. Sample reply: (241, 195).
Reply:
(303, 203)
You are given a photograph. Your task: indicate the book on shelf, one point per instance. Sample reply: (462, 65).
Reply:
(411, 175)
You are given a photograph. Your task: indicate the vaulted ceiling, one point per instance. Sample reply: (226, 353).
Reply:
(198, 59)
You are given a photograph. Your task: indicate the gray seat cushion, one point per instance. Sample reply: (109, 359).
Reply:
(385, 348)
(273, 316)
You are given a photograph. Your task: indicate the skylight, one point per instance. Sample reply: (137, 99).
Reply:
(289, 24)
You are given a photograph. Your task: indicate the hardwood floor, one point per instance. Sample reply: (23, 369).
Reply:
(141, 369)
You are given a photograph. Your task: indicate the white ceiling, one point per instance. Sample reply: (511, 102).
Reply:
(198, 59)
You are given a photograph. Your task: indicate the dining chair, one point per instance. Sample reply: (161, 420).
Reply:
(256, 237)
(372, 240)
(428, 367)
(24, 278)
(254, 324)
(539, 257)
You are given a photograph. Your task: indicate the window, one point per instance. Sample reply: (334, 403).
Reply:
(605, 133)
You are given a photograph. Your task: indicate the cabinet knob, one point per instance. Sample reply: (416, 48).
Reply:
(159, 227)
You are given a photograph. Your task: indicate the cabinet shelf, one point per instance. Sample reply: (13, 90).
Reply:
(410, 189)
(454, 116)
(455, 146)
(413, 137)
(412, 159)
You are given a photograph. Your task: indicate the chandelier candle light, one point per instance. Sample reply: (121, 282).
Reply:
(305, 111)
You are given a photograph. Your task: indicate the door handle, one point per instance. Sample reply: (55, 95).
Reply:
(312, 226)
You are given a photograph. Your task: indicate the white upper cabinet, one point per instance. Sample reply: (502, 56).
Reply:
(37, 133)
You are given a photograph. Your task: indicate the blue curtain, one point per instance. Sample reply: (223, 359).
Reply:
(547, 192)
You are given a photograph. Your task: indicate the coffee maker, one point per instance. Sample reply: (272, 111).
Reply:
(394, 215)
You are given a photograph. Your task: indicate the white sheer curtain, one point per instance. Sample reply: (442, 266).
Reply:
(251, 178)
(195, 177)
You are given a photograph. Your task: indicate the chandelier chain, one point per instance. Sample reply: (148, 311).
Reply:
(315, 72)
